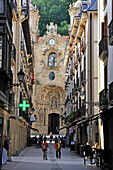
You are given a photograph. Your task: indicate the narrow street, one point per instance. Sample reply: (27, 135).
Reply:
(31, 159)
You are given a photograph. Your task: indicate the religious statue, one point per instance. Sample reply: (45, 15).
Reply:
(54, 102)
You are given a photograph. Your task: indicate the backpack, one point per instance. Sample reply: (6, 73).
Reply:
(45, 147)
(58, 145)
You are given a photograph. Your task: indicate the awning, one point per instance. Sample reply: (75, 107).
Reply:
(90, 118)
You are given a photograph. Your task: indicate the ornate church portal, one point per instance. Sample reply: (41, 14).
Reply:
(53, 123)
(49, 82)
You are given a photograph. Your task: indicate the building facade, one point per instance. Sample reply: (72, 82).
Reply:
(105, 36)
(49, 77)
(81, 62)
(15, 55)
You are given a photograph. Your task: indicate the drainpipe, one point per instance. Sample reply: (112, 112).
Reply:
(90, 76)
(90, 63)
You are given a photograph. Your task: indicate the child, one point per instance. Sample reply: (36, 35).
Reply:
(58, 149)
(44, 149)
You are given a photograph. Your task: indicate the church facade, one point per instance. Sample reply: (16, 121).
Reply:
(49, 81)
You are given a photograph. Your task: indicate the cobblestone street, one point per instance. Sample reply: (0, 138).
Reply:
(31, 158)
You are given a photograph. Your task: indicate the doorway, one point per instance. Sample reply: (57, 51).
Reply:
(53, 123)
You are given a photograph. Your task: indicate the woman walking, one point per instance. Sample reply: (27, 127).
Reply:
(44, 148)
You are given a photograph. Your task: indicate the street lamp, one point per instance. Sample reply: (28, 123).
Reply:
(82, 96)
(21, 75)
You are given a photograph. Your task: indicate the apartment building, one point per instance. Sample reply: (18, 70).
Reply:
(105, 27)
(81, 62)
(15, 58)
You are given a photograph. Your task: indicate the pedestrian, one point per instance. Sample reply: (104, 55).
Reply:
(58, 149)
(64, 140)
(4, 152)
(51, 137)
(56, 139)
(35, 141)
(40, 140)
(44, 148)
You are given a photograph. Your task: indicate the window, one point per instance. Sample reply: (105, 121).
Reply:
(24, 2)
(0, 51)
(52, 76)
(52, 60)
(1, 6)
(105, 3)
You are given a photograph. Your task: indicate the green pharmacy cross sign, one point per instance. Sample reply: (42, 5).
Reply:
(24, 105)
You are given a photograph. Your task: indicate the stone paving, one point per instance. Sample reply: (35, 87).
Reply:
(31, 159)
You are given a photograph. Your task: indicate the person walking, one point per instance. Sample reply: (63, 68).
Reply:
(58, 149)
(44, 148)
(51, 137)
(5, 151)
(56, 139)
(35, 141)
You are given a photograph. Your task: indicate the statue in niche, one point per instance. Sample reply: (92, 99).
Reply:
(42, 97)
(52, 60)
(40, 115)
(54, 102)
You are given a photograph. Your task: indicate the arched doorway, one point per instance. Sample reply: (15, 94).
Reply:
(53, 123)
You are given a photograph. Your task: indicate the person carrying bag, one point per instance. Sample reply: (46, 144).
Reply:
(58, 149)
(44, 148)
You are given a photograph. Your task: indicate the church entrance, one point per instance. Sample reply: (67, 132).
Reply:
(53, 123)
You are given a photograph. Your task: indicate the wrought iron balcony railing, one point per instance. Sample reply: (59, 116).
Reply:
(67, 99)
(103, 47)
(103, 99)
(13, 53)
(111, 33)
(83, 44)
(83, 76)
(111, 94)
(25, 7)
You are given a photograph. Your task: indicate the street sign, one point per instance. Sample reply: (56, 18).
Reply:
(24, 105)
(32, 119)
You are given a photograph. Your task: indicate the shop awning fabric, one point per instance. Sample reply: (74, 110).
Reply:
(78, 122)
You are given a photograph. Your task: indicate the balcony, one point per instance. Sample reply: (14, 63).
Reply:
(25, 7)
(83, 112)
(111, 33)
(74, 115)
(105, 3)
(24, 55)
(14, 6)
(103, 48)
(74, 91)
(83, 44)
(103, 99)
(83, 76)
(67, 99)
(13, 55)
(111, 94)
